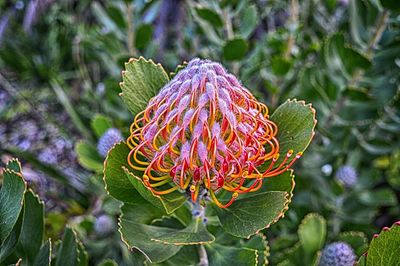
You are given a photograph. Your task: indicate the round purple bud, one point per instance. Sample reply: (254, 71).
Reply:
(108, 140)
(104, 225)
(346, 175)
(337, 254)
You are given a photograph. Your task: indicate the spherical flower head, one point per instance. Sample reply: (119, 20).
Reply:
(337, 254)
(108, 140)
(205, 131)
(347, 175)
(104, 225)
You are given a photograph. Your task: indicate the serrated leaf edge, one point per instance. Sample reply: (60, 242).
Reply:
(104, 167)
(289, 197)
(132, 247)
(355, 233)
(383, 231)
(178, 68)
(14, 160)
(141, 58)
(154, 195)
(386, 229)
(315, 121)
(308, 217)
(95, 117)
(266, 250)
(20, 176)
(50, 250)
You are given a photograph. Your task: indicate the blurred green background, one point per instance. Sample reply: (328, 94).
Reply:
(60, 65)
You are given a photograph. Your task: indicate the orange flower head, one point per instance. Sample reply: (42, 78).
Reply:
(205, 131)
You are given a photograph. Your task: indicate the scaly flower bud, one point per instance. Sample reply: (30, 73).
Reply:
(108, 140)
(104, 225)
(347, 175)
(204, 130)
(337, 254)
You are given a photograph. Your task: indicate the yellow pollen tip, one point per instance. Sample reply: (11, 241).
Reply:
(192, 188)
(235, 195)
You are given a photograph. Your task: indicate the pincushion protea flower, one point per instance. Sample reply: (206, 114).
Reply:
(204, 130)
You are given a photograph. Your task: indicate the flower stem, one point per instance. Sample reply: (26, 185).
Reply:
(294, 18)
(203, 256)
(131, 33)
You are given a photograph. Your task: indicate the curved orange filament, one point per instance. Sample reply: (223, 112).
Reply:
(219, 204)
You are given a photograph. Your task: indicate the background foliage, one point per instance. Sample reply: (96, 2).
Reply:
(60, 66)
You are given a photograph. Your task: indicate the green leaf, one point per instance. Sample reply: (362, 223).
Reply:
(83, 259)
(187, 255)
(108, 262)
(258, 242)
(357, 29)
(170, 202)
(100, 123)
(67, 254)
(143, 36)
(195, 233)
(235, 49)
(280, 66)
(11, 199)
(247, 216)
(32, 227)
(385, 249)
(210, 16)
(296, 122)
(143, 213)
(177, 69)
(357, 240)
(293, 255)
(362, 261)
(378, 197)
(249, 21)
(139, 236)
(43, 258)
(312, 233)
(14, 165)
(343, 60)
(141, 80)
(117, 183)
(183, 214)
(283, 182)
(69, 108)
(88, 156)
(219, 255)
(104, 19)
(10, 244)
(393, 5)
(357, 94)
